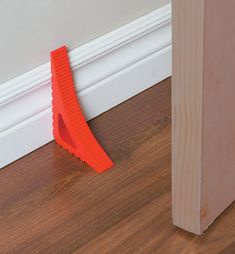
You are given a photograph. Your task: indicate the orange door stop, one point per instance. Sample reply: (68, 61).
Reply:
(70, 128)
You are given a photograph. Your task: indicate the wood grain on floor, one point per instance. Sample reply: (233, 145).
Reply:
(51, 202)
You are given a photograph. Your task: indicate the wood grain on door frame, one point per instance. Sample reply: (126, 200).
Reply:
(203, 132)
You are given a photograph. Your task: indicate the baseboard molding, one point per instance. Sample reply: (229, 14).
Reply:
(107, 71)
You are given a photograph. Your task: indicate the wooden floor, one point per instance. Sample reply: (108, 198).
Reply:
(51, 202)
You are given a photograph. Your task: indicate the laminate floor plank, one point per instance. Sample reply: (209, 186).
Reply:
(51, 202)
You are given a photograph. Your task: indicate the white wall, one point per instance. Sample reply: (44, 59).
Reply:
(30, 29)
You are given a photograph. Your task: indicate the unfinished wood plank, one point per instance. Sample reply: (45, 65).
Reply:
(187, 112)
(203, 111)
(218, 181)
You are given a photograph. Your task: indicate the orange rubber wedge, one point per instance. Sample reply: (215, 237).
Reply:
(70, 128)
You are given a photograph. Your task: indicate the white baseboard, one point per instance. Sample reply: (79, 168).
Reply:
(107, 71)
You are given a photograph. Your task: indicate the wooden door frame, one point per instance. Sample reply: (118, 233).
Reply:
(203, 86)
